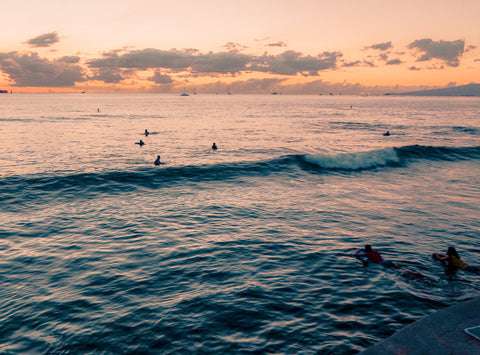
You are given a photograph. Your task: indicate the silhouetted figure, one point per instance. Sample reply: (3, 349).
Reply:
(453, 262)
(214, 146)
(386, 134)
(140, 143)
(98, 110)
(374, 256)
(147, 133)
(157, 161)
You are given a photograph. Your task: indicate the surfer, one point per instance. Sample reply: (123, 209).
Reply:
(140, 143)
(157, 161)
(374, 256)
(453, 262)
(214, 146)
(386, 134)
(147, 133)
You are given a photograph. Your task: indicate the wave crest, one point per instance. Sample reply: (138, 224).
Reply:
(354, 161)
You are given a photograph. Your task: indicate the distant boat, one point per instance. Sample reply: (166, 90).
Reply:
(184, 94)
(274, 93)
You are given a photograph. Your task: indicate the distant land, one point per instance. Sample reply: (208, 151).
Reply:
(464, 90)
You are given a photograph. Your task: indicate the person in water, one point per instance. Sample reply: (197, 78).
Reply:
(157, 161)
(140, 143)
(387, 133)
(214, 146)
(147, 133)
(374, 256)
(453, 262)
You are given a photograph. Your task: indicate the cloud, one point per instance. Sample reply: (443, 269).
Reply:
(450, 52)
(175, 60)
(352, 64)
(277, 44)
(234, 47)
(380, 46)
(292, 63)
(223, 62)
(383, 57)
(394, 62)
(32, 70)
(159, 78)
(45, 40)
(108, 76)
(232, 62)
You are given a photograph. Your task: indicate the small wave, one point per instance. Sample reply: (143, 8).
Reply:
(354, 161)
(470, 130)
(113, 182)
(438, 153)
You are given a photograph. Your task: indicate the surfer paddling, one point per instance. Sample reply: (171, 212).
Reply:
(373, 255)
(453, 262)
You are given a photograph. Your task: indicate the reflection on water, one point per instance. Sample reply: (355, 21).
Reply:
(248, 249)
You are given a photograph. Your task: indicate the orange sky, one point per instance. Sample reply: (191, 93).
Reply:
(307, 46)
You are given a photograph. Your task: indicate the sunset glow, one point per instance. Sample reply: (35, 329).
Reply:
(306, 47)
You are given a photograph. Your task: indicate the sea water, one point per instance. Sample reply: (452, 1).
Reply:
(247, 249)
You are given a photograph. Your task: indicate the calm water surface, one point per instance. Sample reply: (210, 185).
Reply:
(248, 249)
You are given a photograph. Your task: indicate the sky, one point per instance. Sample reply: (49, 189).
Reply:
(254, 47)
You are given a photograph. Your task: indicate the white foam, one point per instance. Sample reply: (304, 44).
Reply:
(354, 161)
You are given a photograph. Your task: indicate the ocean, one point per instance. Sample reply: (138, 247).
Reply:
(248, 249)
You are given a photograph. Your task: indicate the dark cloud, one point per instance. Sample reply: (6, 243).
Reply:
(187, 59)
(232, 62)
(159, 78)
(45, 40)
(352, 64)
(108, 76)
(277, 44)
(70, 59)
(32, 70)
(413, 68)
(224, 62)
(394, 62)
(383, 57)
(380, 46)
(450, 52)
(292, 63)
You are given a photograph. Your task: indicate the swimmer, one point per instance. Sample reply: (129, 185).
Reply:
(140, 143)
(386, 134)
(453, 262)
(146, 133)
(157, 161)
(374, 256)
(214, 146)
